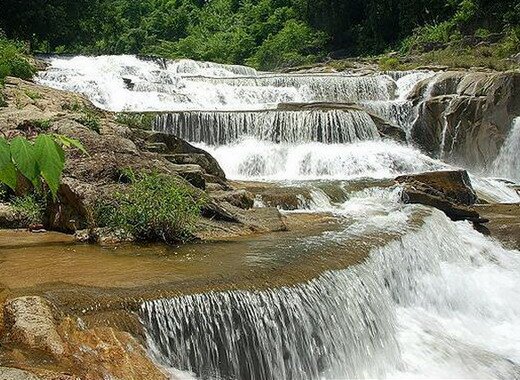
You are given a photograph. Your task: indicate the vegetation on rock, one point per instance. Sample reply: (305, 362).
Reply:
(30, 207)
(153, 207)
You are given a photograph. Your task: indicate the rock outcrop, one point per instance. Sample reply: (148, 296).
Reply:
(464, 117)
(448, 191)
(70, 348)
(30, 323)
(114, 148)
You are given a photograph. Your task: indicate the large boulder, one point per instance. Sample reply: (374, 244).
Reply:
(448, 191)
(464, 118)
(29, 322)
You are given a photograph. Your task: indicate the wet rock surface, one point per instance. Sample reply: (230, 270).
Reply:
(504, 223)
(68, 346)
(464, 117)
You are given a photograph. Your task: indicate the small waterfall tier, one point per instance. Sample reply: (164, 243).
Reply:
(439, 301)
(220, 128)
(128, 83)
(507, 164)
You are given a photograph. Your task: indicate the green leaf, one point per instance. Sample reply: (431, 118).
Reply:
(9, 175)
(51, 161)
(69, 142)
(22, 153)
(5, 153)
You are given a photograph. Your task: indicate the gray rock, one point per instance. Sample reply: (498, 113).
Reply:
(16, 374)
(464, 118)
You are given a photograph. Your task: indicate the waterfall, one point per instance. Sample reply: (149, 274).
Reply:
(507, 164)
(220, 128)
(127, 83)
(441, 301)
(261, 160)
(188, 66)
(324, 87)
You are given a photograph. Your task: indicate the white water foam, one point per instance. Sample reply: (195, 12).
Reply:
(127, 83)
(507, 164)
(260, 160)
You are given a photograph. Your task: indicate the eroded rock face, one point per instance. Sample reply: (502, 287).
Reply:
(103, 352)
(448, 191)
(70, 348)
(464, 118)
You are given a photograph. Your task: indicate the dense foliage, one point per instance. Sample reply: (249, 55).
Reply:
(263, 33)
(154, 207)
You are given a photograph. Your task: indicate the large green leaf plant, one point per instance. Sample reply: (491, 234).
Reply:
(41, 160)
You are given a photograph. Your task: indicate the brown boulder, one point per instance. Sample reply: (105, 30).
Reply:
(448, 191)
(103, 353)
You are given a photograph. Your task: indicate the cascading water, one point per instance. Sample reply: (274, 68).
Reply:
(222, 128)
(439, 302)
(257, 160)
(507, 164)
(432, 299)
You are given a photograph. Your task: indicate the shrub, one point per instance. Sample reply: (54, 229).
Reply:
(136, 120)
(31, 207)
(14, 61)
(388, 63)
(296, 44)
(90, 120)
(154, 207)
(33, 94)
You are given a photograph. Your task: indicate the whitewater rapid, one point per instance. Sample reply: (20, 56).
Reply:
(439, 302)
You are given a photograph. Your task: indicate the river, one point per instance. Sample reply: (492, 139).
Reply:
(385, 290)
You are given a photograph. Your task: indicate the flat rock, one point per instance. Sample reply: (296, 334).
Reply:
(16, 374)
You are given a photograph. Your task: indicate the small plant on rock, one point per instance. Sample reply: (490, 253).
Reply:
(31, 207)
(153, 207)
